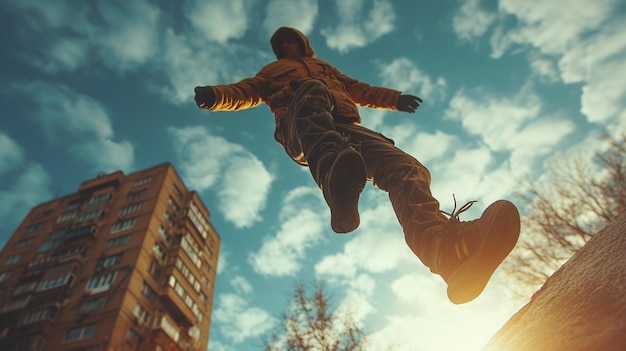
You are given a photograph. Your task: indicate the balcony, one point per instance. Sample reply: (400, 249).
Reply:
(176, 305)
(101, 182)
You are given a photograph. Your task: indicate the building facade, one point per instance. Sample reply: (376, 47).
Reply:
(125, 263)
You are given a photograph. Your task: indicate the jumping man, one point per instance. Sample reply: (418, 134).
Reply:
(317, 123)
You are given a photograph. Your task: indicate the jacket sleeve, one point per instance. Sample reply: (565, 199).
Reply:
(369, 96)
(244, 94)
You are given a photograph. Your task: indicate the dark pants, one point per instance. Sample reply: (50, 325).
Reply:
(311, 136)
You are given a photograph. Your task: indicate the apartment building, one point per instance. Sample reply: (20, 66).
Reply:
(128, 262)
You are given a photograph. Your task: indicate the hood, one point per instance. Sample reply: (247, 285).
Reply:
(284, 33)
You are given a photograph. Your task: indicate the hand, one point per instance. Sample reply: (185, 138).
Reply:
(205, 97)
(408, 103)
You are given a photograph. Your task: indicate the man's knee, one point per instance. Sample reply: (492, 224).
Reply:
(313, 97)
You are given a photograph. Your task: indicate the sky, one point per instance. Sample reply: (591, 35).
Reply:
(99, 86)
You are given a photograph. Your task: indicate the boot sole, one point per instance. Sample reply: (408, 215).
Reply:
(347, 183)
(470, 279)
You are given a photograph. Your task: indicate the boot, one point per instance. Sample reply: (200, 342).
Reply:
(342, 187)
(470, 252)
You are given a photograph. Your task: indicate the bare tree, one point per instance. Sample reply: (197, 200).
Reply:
(576, 197)
(310, 325)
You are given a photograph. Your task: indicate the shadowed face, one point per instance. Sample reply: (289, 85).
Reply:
(291, 49)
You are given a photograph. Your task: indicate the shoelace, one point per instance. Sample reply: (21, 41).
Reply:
(455, 214)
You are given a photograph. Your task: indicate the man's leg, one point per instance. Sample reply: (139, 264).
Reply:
(464, 254)
(337, 168)
(407, 182)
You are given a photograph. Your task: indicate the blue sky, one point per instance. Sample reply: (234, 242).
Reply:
(98, 86)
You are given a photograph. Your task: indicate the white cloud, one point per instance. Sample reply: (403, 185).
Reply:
(404, 75)
(186, 67)
(548, 25)
(105, 154)
(357, 300)
(303, 223)
(241, 285)
(378, 245)
(64, 54)
(471, 20)
(24, 185)
(585, 38)
(125, 35)
(218, 20)
(357, 26)
(599, 63)
(299, 14)
(234, 173)
(131, 35)
(423, 316)
(78, 122)
(514, 134)
(30, 187)
(495, 120)
(238, 322)
(11, 154)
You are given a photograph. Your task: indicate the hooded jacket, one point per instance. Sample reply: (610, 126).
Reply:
(274, 84)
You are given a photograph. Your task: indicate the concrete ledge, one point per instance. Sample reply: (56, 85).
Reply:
(582, 306)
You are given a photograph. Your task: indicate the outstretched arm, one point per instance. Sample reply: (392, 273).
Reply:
(408, 103)
(244, 94)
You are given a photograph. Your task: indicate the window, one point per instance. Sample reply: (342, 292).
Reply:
(133, 339)
(89, 215)
(191, 248)
(93, 305)
(172, 203)
(23, 243)
(109, 261)
(142, 181)
(186, 297)
(72, 205)
(15, 304)
(177, 192)
(48, 246)
(198, 220)
(81, 232)
(30, 343)
(170, 328)
(182, 267)
(100, 283)
(80, 333)
(208, 252)
(66, 216)
(136, 194)
(12, 259)
(59, 233)
(159, 251)
(163, 234)
(43, 214)
(154, 269)
(141, 314)
(119, 241)
(34, 227)
(5, 276)
(38, 315)
(54, 283)
(130, 209)
(168, 217)
(25, 287)
(148, 292)
(98, 199)
(123, 225)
